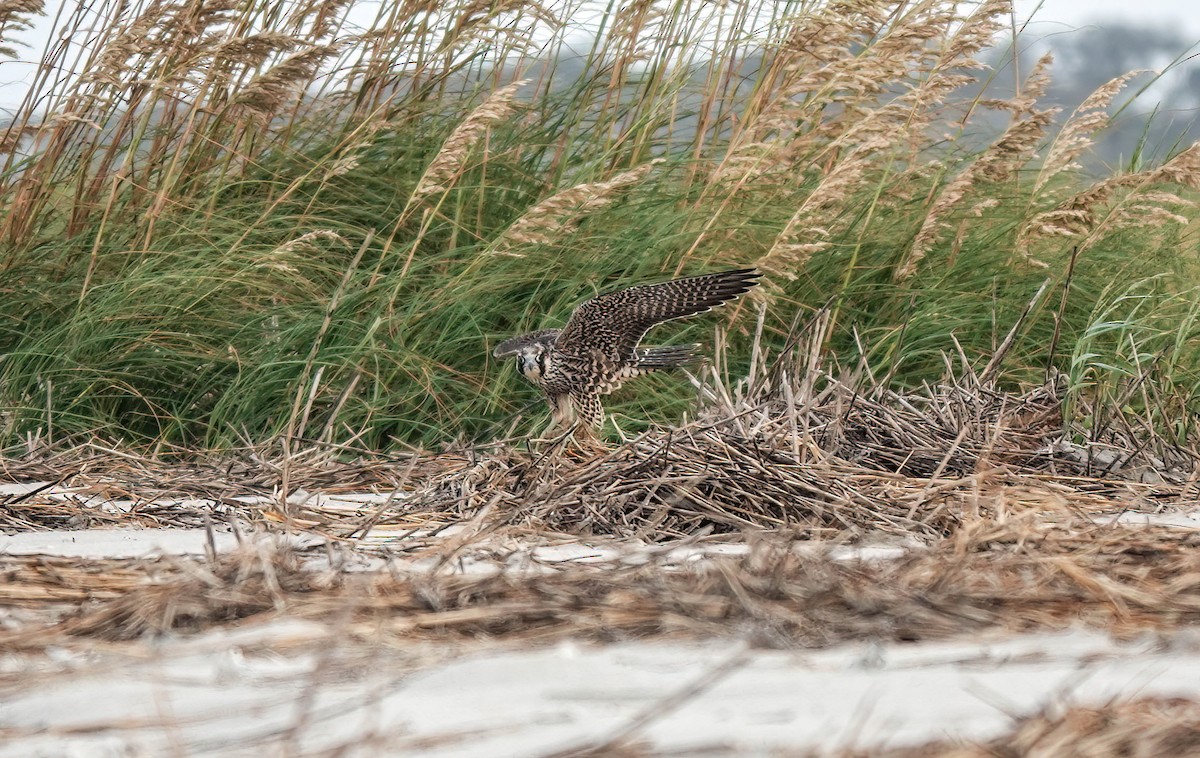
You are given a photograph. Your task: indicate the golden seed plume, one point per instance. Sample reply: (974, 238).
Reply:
(321, 16)
(255, 49)
(1007, 154)
(267, 94)
(561, 213)
(133, 43)
(1124, 201)
(311, 242)
(1076, 135)
(859, 55)
(12, 18)
(450, 159)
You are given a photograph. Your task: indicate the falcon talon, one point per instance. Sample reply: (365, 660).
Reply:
(597, 351)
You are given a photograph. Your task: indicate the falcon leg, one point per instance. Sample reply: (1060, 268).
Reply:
(575, 417)
(562, 415)
(590, 413)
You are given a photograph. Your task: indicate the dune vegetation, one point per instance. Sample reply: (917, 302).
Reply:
(225, 222)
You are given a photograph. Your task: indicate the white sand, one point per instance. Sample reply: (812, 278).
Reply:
(215, 695)
(114, 543)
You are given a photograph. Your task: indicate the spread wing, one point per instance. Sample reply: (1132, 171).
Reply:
(613, 324)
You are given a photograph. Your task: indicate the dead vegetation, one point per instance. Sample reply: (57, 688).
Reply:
(1018, 576)
(1142, 727)
(1004, 521)
(759, 520)
(799, 447)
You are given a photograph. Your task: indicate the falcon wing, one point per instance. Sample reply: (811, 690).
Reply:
(613, 324)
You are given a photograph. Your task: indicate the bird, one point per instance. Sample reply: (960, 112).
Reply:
(598, 351)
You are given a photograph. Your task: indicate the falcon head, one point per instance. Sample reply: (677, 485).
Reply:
(532, 352)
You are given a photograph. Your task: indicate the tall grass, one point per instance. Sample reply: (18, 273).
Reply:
(225, 220)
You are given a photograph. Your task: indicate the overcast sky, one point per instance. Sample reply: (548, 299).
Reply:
(1137, 33)
(1073, 14)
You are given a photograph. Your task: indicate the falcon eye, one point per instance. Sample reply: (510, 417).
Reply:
(541, 359)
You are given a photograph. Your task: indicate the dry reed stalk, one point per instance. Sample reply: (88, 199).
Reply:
(318, 18)
(13, 134)
(561, 213)
(401, 41)
(861, 137)
(253, 50)
(70, 137)
(855, 55)
(820, 42)
(1076, 134)
(1123, 201)
(145, 84)
(392, 43)
(93, 471)
(1013, 149)
(13, 15)
(54, 586)
(451, 158)
(308, 241)
(476, 19)
(134, 42)
(1144, 727)
(634, 38)
(880, 129)
(267, 94)
(1017, 574)
(165, 43)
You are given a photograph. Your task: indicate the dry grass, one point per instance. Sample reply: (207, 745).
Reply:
(1140, 728)
(753, 522)
(1020, 575)
(795, 448)
(1001, 514)
(792, 448)
(561, 213)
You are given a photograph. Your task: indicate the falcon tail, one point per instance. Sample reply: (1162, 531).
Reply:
(667, 357)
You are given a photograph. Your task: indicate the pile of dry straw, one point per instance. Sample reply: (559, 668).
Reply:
(1004, 518)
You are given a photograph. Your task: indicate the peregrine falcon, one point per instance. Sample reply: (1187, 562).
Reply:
(597, 351)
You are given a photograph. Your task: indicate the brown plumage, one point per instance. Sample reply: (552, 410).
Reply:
(597, 351)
